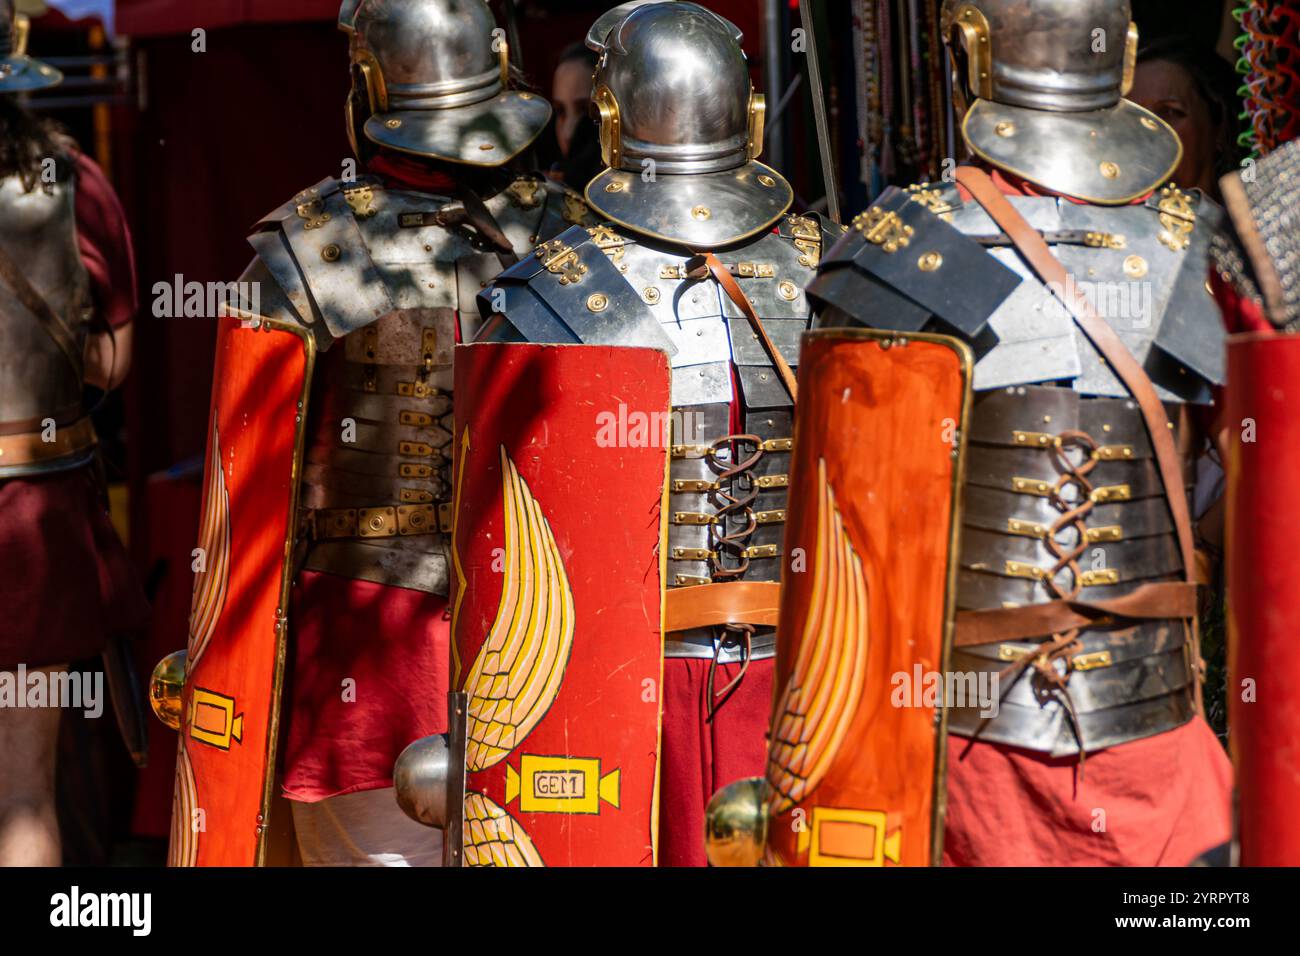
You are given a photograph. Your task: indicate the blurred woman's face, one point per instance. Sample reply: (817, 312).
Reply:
(1169, 91)
(570, 95)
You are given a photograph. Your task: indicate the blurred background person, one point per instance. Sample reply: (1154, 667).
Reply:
(575, 131)
(67, 298)
(1193, 89)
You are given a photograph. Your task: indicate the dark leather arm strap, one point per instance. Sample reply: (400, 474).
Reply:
(1038, 255)
(712, 605)
(1155, 601)
(50, 321)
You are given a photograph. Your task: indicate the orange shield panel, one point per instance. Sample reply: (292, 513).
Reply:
(560, 478)
(231, 704)
(855, 769)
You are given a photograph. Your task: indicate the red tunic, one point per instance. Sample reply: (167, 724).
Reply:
(1159, 801)
(699, 758)
(369, 664)
(66, 583)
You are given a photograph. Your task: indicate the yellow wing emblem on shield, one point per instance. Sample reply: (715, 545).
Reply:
(494, 838)
(214, 539)
(823, 691)
(517, 674)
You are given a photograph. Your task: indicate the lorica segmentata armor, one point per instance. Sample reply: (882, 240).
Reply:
(1063, 499)
(42, 423)
(392, 274)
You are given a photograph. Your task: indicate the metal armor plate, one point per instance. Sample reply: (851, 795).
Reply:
(869, 600)
(733, 416)
(1143, 266)
(382, 276)
(231, 703)
(557, 596)
(37, 380)
(1263, 656)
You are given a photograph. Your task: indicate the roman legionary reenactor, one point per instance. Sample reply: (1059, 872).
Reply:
(67, 300)
(330, 449)
(1253, 280)
(697, 264)
(1062, 281)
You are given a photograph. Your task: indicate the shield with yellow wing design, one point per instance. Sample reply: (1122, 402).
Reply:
(855, 771)
(557, 601)
(222, 693)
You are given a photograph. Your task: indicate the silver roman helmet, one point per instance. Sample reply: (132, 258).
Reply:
(680, 127)
(1046, 82)
(433, 78)
(19, 73)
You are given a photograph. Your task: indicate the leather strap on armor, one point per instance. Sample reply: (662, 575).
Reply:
(1158, 600)
(31, 447)
(736, 602)
(730, 286)
(50, 321)
(1038, 255)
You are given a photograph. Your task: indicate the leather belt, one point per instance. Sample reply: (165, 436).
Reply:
(712, 605)
(30, 448)
(762, 646)
(1156, 601)
(387, 521)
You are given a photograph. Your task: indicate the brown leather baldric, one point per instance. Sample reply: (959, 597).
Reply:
(1154, 602)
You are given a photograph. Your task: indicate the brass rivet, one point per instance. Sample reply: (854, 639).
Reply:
(393, 123)
(651, 295)
(1135, 267)
(614, 187)
(377, 523)
(767, 181)
(701, 213)
(1005, 129)
(598, 302)
(1149, 123)
(486, 147)
(525, 96)
(331, 253)
(930, 261)
(1109, 169)
(788, 290)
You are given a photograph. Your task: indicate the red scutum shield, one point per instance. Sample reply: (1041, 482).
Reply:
(560, 465)
(1263, 601)
(226, 759)
(856, 780)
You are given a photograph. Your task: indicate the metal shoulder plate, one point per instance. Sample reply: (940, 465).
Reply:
(570, 291)
(345, 254)
(531, 210)
(1142, 266)
(901, 264)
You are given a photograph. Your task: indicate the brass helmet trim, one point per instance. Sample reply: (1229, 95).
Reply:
(1130, 59)
(972, 34)
(757, 124)
(611, 127)
(373, 74)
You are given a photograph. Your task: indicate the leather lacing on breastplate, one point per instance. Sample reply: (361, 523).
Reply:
(732, 471)
(1062, 646)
